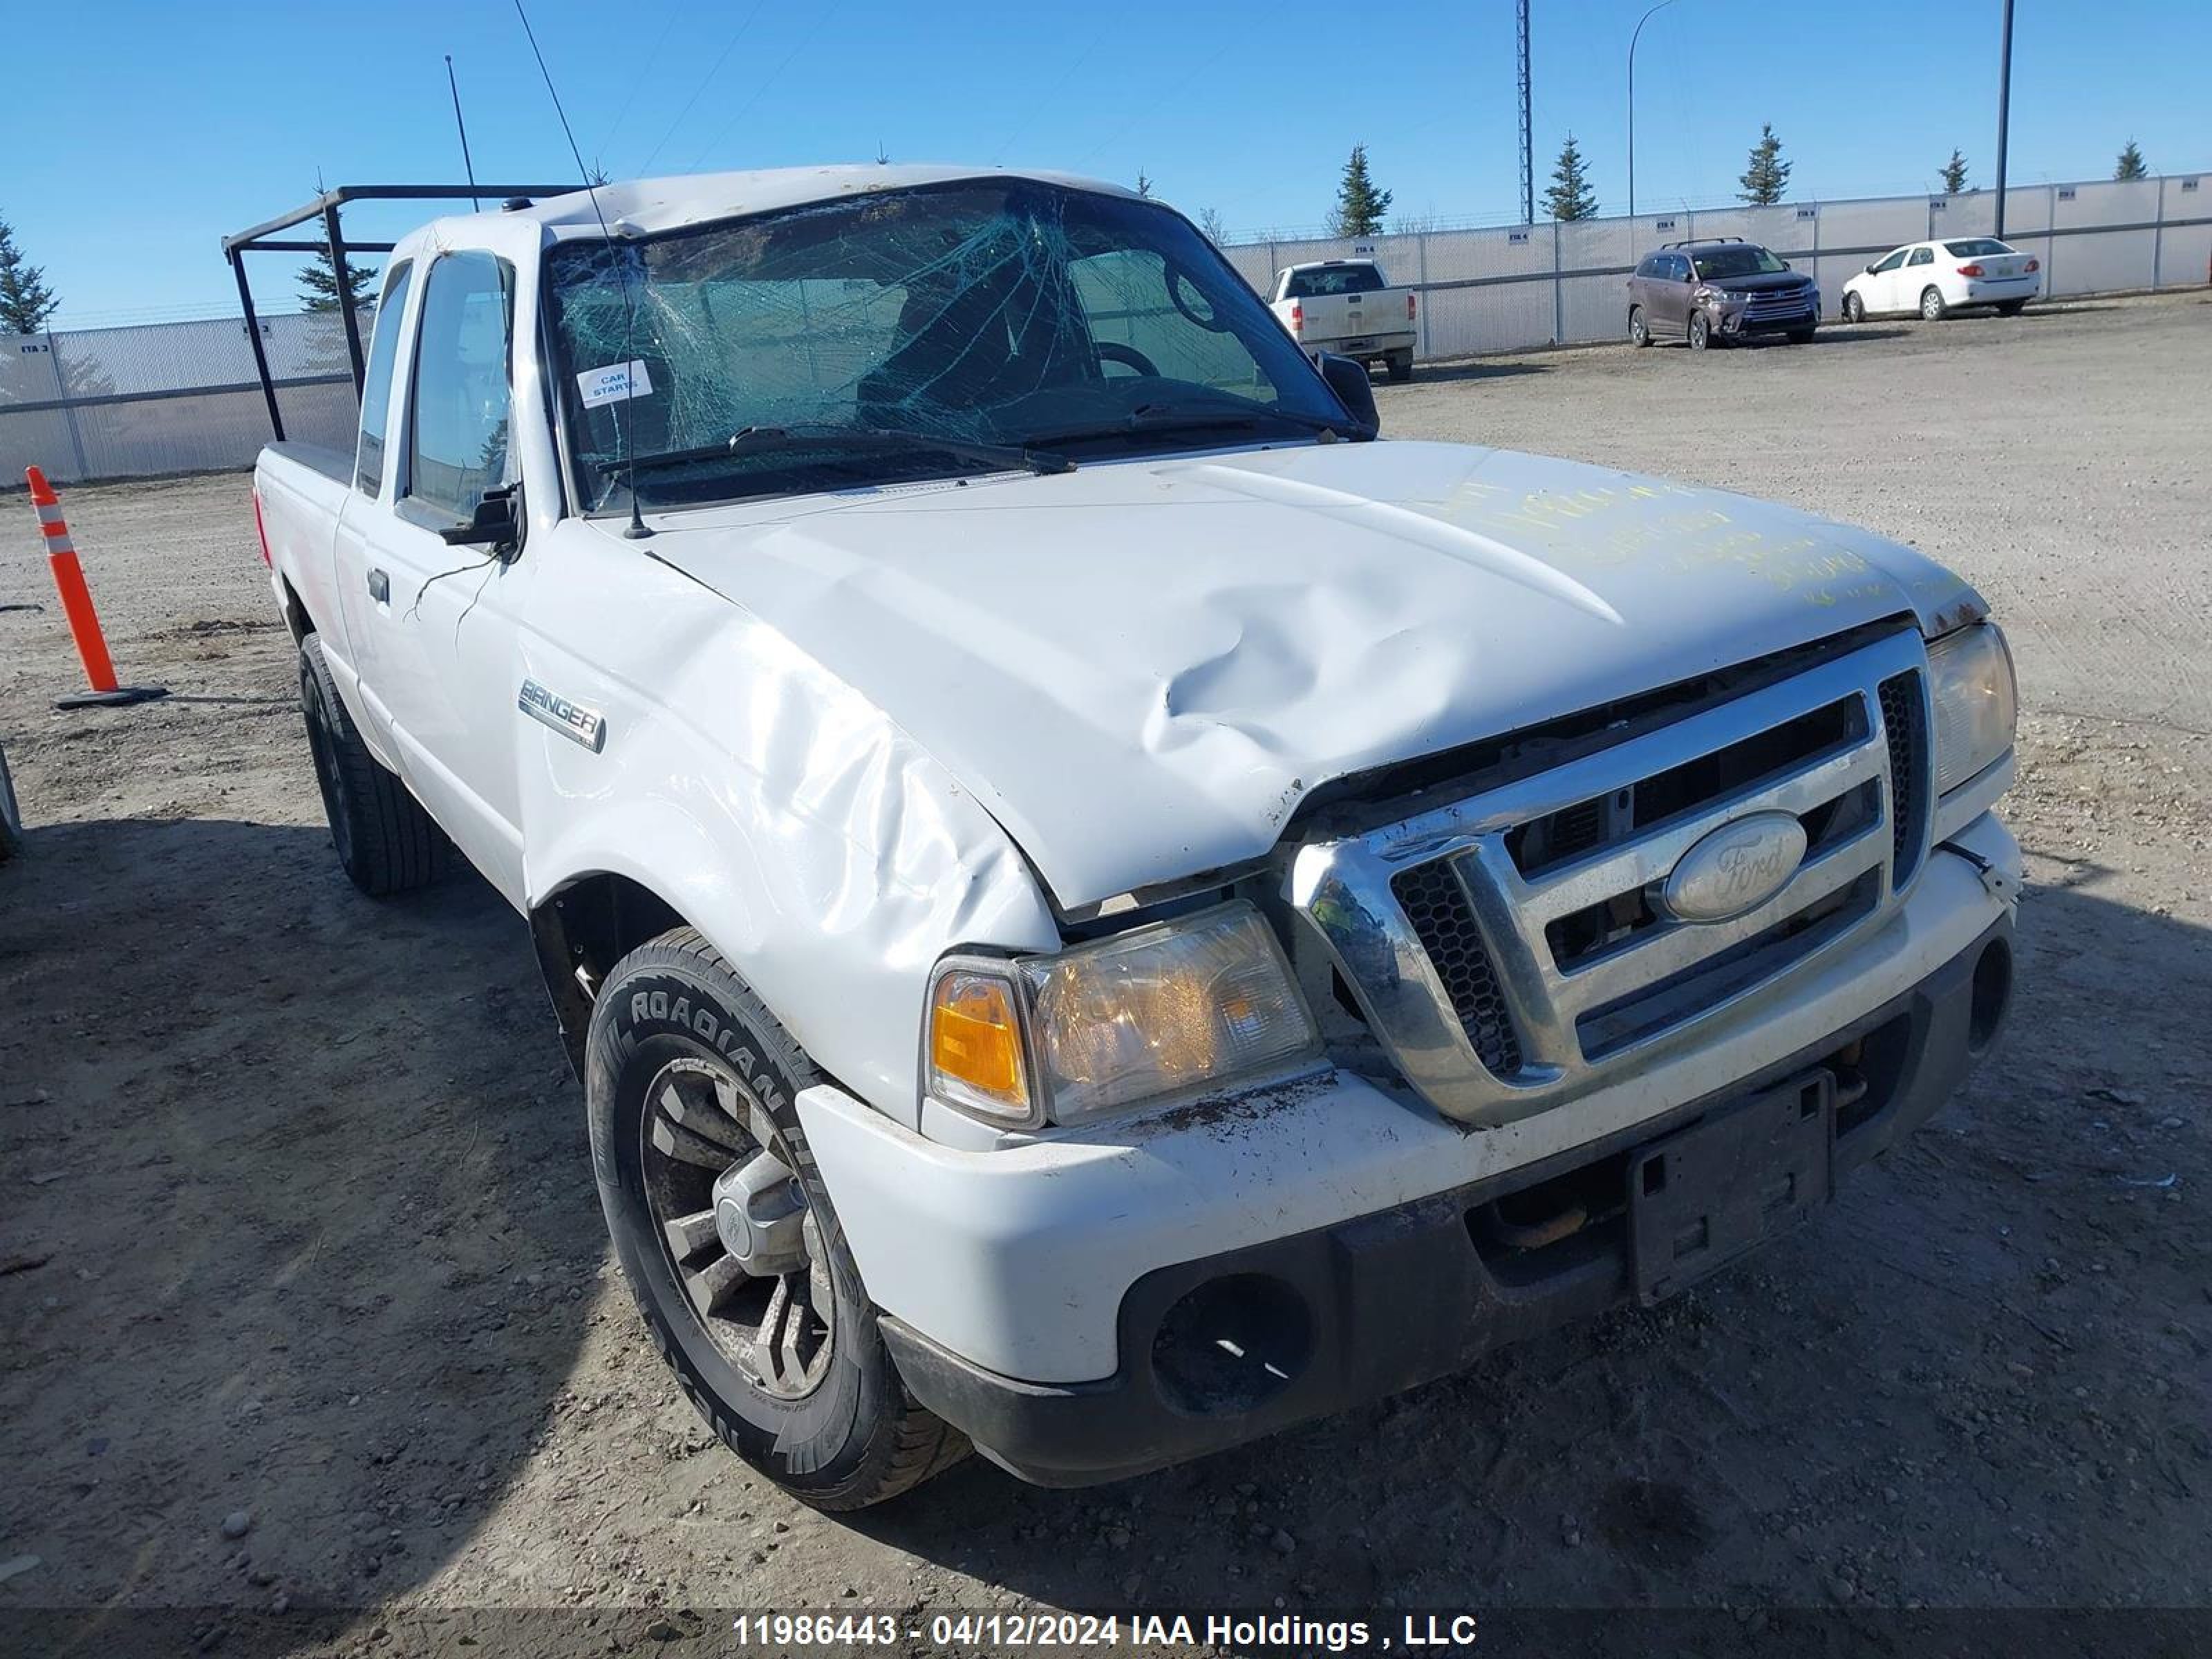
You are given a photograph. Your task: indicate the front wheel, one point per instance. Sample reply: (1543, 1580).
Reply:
(1854, 308)
(1701, 331)
(1800, 337)
(727, 1234)
(1932, 308)
(1639, 331)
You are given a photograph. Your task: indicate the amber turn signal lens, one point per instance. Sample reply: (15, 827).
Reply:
(976, 1045)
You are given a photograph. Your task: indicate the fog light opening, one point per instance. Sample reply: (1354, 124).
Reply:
(1992, 996)
(1231, 1344)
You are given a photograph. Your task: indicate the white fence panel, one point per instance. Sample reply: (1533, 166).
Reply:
(184, 397)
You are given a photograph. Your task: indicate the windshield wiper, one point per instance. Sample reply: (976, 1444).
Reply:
(887, 439)
(1199, 418)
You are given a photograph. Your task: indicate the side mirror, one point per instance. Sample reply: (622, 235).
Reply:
(1347, 377)
(496, 523)
(1870, 271)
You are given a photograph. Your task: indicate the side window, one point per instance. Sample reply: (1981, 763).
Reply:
(1678, 267)
(1893, 261)
(1649, 267)
(376, 385)
(457, 430)
(1922, 256)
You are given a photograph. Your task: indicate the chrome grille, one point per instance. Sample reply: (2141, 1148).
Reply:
(1444, 923)
(1904, 720)
(1510, 949)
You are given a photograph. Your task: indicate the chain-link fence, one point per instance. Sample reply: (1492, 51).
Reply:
(1515, 287)
(124, 403)
(119, 403)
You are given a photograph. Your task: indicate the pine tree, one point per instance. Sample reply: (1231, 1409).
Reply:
(2132, 164)
(1570, 196)
(318, 282)
(1768, 175)
(1359, 207)
(1954, 175)
(26, 301)
(1144, 185)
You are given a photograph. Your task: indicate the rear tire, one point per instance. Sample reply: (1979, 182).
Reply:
(1854, 308)
(678, 1040)
(11, 816)
(2011, 307)
(1639, 331)
(386, 843)
(1932, 308)
(1400, 364)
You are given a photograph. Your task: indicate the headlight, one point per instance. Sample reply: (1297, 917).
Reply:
(1705, 296)
(1173, 1009)
(1975, 699)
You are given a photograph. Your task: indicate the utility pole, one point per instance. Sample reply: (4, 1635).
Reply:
(2004, 110)
(467, 165)
(1528, 152)
(1632, 39)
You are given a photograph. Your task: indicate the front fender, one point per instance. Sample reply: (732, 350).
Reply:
(820, 849)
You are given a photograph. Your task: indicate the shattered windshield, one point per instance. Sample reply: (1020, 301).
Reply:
(841, 342)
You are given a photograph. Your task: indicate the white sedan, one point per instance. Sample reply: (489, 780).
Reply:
(1936, 279)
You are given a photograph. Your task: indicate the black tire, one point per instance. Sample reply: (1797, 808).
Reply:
(1400, 366)
(11, 816)
(2011, 307)
(1932, 308)
(386, 843)
(1639, 331)
(1854, 308)
(1801, 335)
(1701, 331)
(856, 1437)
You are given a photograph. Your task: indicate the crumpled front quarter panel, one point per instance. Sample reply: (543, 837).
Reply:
(818, 847)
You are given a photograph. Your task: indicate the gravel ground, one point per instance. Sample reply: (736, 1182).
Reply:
(308, 1303)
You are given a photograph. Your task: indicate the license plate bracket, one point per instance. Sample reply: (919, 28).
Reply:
(1705, 1196)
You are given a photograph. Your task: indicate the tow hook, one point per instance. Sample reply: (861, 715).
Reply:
(1994, 881)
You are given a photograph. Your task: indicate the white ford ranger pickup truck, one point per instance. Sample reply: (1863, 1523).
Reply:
(1100, 910)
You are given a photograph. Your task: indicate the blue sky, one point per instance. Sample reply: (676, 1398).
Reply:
(148, 130)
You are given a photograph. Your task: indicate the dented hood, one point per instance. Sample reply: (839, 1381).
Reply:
(1140, 667)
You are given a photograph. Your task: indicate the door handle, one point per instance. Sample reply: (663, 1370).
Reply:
(379, 587)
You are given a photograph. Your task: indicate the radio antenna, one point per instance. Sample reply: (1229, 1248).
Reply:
(467, 165)
(637, 530)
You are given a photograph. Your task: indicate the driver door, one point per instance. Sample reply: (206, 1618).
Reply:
(1882, 284)
(447, 630)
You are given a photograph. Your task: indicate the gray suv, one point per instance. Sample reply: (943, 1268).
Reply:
(1719, 292)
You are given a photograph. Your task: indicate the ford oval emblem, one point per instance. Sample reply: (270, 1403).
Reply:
(1738, 867)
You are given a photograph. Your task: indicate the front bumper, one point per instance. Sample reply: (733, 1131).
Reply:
(1738, 321)
(1385, 1301)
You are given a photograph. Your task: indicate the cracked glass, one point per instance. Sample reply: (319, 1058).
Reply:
(836, 344)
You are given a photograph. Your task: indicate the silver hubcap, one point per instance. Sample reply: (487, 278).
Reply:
(736, 1229)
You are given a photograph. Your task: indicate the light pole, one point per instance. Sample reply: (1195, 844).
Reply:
(2004, 110)
(1632, 39)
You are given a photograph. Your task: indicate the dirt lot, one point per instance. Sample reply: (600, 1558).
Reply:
(298, 1222)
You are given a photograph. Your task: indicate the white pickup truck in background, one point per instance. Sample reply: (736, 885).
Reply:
(1348, 307)
(1100, 911)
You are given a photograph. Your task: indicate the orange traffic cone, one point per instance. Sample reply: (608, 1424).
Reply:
(76, 606)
